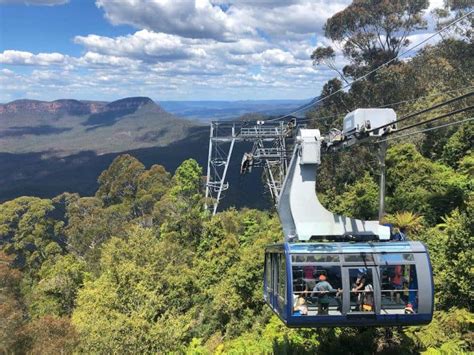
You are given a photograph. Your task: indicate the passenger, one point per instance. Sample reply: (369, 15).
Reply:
(368, 298)
(290, 127)
(247, 162)
(358, 288)
(309, 277)
(322, 290)
(399, 235)
(412, 305)
(299, 304)
(396, 283)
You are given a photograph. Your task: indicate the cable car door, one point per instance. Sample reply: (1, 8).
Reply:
(360, 290)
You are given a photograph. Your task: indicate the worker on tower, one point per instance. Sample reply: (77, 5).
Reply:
(247, 163)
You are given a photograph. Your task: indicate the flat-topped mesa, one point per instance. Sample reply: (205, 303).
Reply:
(76, 107)
(130, 103)
(62, 107)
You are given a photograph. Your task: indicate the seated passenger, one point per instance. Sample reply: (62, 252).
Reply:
(368, 298)
(322, 290)
(299, 297)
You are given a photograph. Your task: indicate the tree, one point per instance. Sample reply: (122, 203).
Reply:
(458, 145)
(11, 315)
(29, 231)
(407, 221)
(152, 186)
(451, 245)
(418, 185)
(50, 335)
(373, 31)
(180, 211)
(119, 183)
(55, 294)
(359, 201)
(91, 224)
(327, 56)
(138, 303)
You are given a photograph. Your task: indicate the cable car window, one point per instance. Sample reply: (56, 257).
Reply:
(362, 289)
(317, 290)
(399, 294)
(268, 272)
(393, 258)
(359, 257)
(282, 277)
(324, 258)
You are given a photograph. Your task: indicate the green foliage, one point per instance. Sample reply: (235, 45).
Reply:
(55, 293)
(119, 183)
(452, 251)
(409, 222)
(419, 185)
(138, 302)
(458, 145)
(373, 32)
(360, 200)
(29, 232)
(152, 185)
(91, 224)
(449, 333)
(180, 211)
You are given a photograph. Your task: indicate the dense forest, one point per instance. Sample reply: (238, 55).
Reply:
(141, 267)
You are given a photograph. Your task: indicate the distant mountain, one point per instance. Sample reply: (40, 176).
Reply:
(65, 127)
(58, 107)
(47, 148)
(225, 110)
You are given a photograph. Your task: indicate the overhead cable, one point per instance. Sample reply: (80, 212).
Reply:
(393, 103)
(417, 113)
(434, 119)
(427, 129)
(376, 69)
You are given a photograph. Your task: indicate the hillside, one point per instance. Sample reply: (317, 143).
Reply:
(65, 127)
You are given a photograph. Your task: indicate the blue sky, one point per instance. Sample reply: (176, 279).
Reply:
(164, 49)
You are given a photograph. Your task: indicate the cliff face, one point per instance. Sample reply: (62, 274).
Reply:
(74, 107)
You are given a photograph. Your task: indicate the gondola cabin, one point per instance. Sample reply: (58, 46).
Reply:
(349, 284)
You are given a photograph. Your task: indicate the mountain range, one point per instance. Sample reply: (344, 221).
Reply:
(47, 148)
(65, 127)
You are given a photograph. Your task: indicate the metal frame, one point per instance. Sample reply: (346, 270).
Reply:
(269, 152)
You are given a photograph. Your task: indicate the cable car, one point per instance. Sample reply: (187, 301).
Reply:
(371, 284)
(334, 270)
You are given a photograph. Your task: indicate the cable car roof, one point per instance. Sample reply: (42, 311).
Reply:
(348, 248)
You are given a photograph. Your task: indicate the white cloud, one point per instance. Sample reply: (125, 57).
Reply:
(26, 58)
(35, 2)
(188, 49)
(143, 45)
(187, 18)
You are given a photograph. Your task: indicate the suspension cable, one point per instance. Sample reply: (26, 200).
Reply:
(427, 129)
(417, 113)
(392, 104)
(376, 69)
(435, 118)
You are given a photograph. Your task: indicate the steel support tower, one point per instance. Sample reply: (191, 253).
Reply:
(269, 151)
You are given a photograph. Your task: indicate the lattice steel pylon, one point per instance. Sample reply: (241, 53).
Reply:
(269, 152)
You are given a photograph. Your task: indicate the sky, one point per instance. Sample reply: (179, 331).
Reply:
(165, 49)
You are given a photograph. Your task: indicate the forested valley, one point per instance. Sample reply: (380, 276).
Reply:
(141, 267)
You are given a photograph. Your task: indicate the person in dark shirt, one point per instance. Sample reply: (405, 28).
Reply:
(322, 290)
